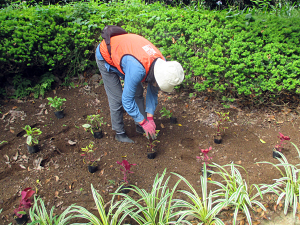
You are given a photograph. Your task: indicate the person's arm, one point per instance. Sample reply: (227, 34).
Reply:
(151, 100)
(134, 74)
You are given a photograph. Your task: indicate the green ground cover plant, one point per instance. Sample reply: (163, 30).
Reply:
(249, 54)
(159, 205)
(39, 215)
(287, 187)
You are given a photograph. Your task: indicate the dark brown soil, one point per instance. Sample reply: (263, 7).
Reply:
(60, 177)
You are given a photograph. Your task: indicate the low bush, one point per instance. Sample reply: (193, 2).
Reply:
(246, 55)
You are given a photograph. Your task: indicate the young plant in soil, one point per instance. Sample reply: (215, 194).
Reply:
(126, 171)
(94, 123)
(25, 203)
(32, 135)
(168, 114)
(279, 147)
(89, 157)
(56, 103)
(151, 151)
(205, 159)
(219, 124)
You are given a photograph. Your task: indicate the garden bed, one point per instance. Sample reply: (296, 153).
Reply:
(60, 177)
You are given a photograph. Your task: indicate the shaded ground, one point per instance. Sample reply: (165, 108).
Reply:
(61, 178)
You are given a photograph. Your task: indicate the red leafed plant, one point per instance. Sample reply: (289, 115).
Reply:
(281, 143)
(205, 156)
(25, 202)
(126, 169)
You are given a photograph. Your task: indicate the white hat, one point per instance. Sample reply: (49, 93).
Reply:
(168, 74)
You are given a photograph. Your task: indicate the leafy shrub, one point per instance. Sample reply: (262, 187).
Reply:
(246, 55)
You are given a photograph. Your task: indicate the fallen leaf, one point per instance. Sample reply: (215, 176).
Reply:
(6, 158)
(101, 172)
(59, 204)
(14, 107)
(124, 156)
(239, 162)
(37, 163)
(56, 194)
(16, 156)
(173, 40)
(40, 113)
(23, 167)
(71, 142)
(262, 141)
(162, 126)
(12, 131)
(169, 56)
(56, 178)
(259, 210)
(47, 180)
(179, 125)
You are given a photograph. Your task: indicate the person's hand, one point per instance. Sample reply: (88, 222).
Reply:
(151, 120)
(149, 128)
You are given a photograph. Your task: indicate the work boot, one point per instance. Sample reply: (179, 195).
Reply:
(139, 129)
(123, 138)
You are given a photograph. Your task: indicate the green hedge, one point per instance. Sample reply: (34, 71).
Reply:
(241, 54)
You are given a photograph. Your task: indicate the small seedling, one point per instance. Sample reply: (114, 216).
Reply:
(205, 156)
(192, 95)
(32, 135)
(281, 143)
(152, 144)
(112, 182)
(94, 123)
(3, 142)
(56, 102)
(166, 113)
(25, 202)
(126, 169)
(219, 124)
(89, 157)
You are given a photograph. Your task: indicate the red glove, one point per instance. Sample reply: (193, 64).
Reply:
(149, 129)
(150, 119)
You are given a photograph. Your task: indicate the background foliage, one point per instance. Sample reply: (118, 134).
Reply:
(249, 54)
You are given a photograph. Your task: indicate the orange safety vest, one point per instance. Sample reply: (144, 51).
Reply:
(130, 44)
